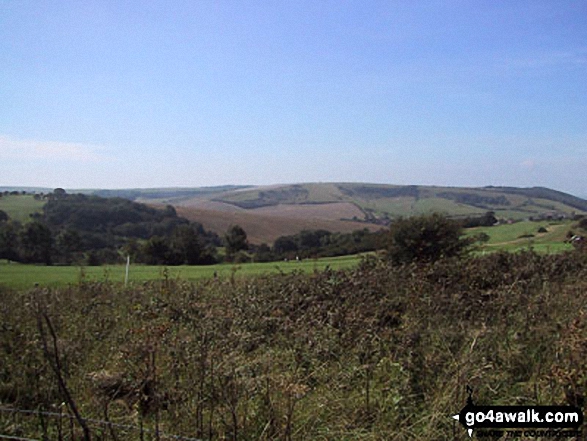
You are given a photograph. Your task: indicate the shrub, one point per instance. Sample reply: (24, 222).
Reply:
(425, 238)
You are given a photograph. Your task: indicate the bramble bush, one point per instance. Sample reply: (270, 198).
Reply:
(378, 352)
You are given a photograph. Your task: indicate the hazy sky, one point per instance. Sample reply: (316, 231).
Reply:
(117, 94)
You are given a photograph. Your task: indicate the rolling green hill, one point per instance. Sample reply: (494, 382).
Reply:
(271, 211)
(349, 206)
(542, 236)
(379, 203)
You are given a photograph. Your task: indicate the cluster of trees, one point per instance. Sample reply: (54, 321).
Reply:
(319, 243)
(426, 238)
(93, 230)
(11, 193)
(30, 243)
(36, 196)
(486, 220)
(116, 217)
(474, 199)
(374, 191)
(187, 244)
(236, 244)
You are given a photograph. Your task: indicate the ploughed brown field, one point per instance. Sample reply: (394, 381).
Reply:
(264, 225)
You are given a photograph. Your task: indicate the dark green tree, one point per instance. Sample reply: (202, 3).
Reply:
(59, 193)
(235, 240)
(37, 243)
(170, 211)
(263, 253)
(9, 240)
(285, 244)
(131, 248)
(156, 251)
(425, 238)
(186, 245)
(309, 239)
(67, 242)
(481, 238)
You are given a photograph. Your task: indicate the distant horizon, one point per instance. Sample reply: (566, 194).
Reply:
(73, 189)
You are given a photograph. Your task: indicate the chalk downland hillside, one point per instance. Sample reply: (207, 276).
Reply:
(271, 211)
(378, 202)
(268, 212)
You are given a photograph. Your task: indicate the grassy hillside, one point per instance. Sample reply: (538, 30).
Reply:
(20, 207)
(268, 212)
(379, 202)
(161, 195)
(526, 235)
(376, 200)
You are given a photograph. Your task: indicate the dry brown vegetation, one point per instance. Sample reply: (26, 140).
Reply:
(379, 352)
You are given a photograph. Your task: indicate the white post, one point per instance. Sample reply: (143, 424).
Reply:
(127, 265)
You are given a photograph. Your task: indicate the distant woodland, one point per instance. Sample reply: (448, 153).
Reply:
(82, 229)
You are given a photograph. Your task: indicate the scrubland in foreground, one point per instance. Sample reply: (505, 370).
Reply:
(376, 352)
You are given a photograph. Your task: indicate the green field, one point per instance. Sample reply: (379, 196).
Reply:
(20, 276)
(20, 207)
(508, 237)
(502, 238)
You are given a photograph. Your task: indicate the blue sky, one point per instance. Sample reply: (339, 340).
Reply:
(118, 94)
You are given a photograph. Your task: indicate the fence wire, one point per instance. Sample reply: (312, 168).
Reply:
(92, 421)
(17, 438)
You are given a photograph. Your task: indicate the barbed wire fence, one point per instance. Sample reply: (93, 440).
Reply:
(17, 438)
(106, 430)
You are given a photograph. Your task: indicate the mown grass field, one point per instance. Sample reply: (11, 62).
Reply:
(20, 276)
(20, 207)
